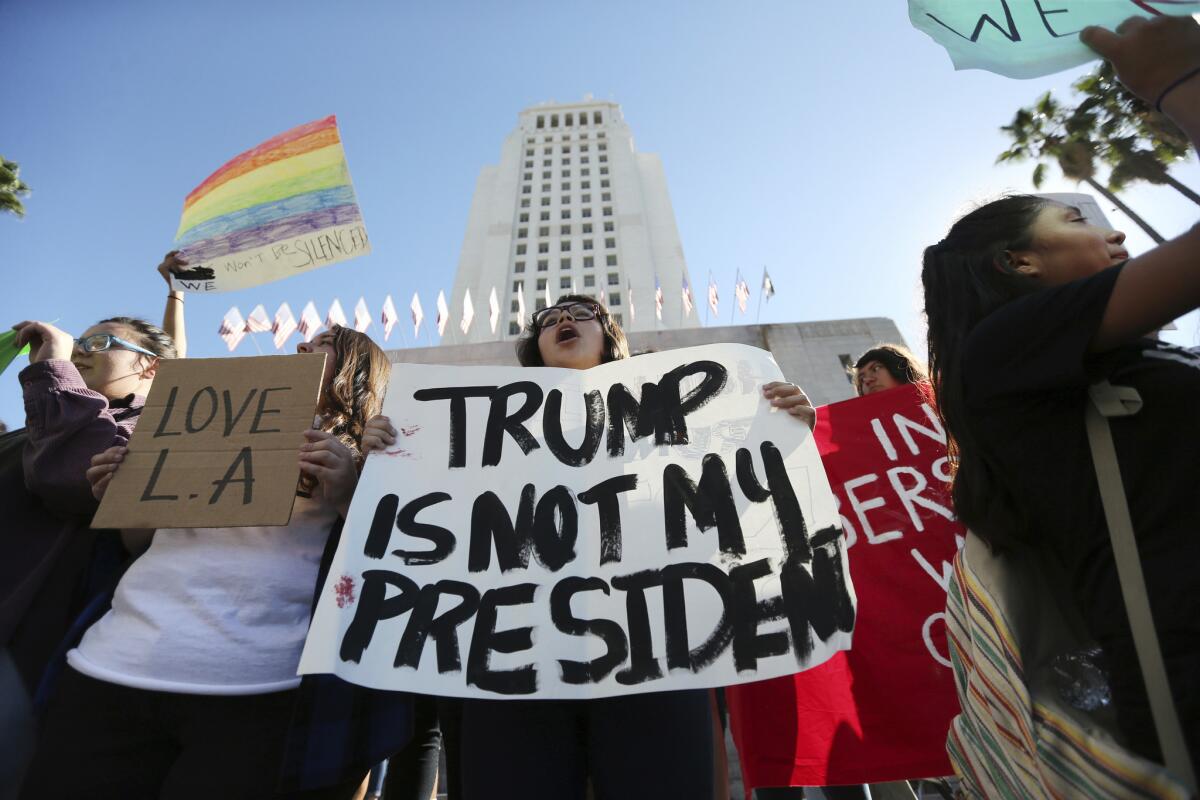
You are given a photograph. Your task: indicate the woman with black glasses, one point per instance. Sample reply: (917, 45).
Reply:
(654, 745)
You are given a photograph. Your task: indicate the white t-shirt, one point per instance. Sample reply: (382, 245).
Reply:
(212, 611)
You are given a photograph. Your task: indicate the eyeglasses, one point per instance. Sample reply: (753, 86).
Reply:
(578, 312)
(99, 342)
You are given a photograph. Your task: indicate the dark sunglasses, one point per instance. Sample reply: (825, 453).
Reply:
(578, 312)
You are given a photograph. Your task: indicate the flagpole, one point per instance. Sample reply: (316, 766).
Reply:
(761, 284)
(254, 339)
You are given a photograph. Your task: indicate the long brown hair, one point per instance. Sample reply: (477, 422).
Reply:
(616, 346)
(355, 392)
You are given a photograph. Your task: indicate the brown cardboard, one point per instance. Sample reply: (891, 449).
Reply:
(182, 449)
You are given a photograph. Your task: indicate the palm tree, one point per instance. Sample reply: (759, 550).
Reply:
(1047, 133)
(11, 188)
(1137, 142)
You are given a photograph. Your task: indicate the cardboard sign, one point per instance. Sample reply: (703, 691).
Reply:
(880, 711)
(646, 525)
(281, 208)
(216, 445)
(1027, 38)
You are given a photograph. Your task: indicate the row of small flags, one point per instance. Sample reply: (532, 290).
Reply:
(234, 326)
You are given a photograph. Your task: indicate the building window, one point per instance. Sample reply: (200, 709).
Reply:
(541, 284)
(603, 146)
(608, 211)
(541, 123)
(585, 185)
(543, 247)
(584, 160)
(585, 172)
(566, 198)
(606, 197)
(564, 230)
(517, 285)
(519, 266)
(564, 246)
(587, 198)
(545, 187)
(587, 244)
(587, 212)
(566, 213)
(545, 201)
(544, 216)
(603, 159)
(525, 189)
(515, 307)
(566, 173)
(524, 202)
(547, 151)
(547, 138)
(540, 304)
(543, 265)
(588, 261)
(614, 298)
(522, 232)
(545, 175)
(528, 176)
(584, 134)
(610, 243)
(604, 170)
(596, 119)
(601, 135)
(524, 218)
(604, 183)
(583, 148)
(546, 162)
(613, 279)
(566, 187)
(554, 120)
(564, 263)
(589, 281)
(528, 165)
(608, 226)
(544, 230)
(587, 228)
(566, 162)
(513, 329)
(610, 260)
(566, 137)
(564, 282)
(566, 148)
(529, 152)
(520, 249)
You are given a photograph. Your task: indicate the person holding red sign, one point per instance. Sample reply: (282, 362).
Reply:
(1028, 303)
(884, 367)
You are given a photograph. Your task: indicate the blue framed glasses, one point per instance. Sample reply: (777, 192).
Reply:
(99, 342)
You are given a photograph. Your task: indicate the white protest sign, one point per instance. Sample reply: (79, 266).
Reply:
(647, 525)
(1027, 38)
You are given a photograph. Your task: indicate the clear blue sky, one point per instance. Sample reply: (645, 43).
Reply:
(827, 141)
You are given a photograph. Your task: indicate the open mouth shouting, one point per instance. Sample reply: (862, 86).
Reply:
(567, 332)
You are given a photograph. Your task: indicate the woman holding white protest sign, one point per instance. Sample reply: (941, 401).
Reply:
(654, 744)
(1028, 305)
(188, 686)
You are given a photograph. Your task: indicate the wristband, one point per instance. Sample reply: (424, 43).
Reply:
(178, 297)
(1173, 85)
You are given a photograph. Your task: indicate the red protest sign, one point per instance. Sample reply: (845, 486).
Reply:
(881, 710)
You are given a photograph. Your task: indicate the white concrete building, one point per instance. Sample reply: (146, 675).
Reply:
(571, 206)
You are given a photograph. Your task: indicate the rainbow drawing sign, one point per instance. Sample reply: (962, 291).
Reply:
(281, 208)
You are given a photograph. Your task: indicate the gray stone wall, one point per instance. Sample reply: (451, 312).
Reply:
(809, 353)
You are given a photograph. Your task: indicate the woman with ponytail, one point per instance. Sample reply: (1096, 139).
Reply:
(1028, 303)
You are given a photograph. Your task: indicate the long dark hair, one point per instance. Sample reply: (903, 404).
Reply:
(898, 360)
(967, 276)
(355, 392)
(615, 345)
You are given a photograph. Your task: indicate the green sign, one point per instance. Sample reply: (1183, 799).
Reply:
(8, 349)
(1027, 38)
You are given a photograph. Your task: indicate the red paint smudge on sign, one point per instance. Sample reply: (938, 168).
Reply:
(344, 591)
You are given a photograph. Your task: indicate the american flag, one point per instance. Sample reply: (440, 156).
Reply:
(521, 305)
(443, 313)
(658, 299)
(388, 317)
(687, 297)
(713, 299)
(310, 322)
(418, 314)
(233, 328)
(768, 286)
(335, 316)
(285, 325)
(629, 299)
(362, 316)
(741, 290)
(258, 321)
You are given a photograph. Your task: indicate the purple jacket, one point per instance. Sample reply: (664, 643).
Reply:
(46, 505)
